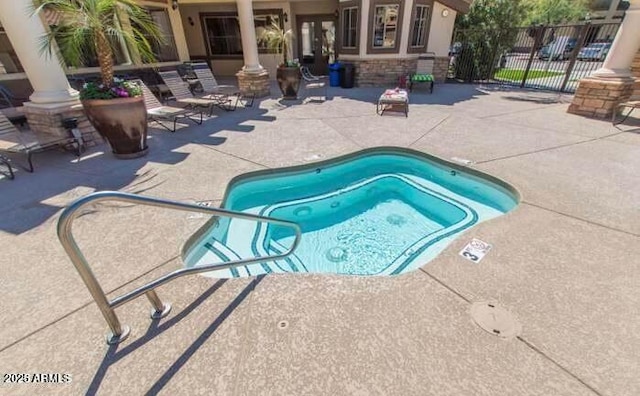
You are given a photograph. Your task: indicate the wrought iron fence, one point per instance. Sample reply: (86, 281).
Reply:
(544, 57)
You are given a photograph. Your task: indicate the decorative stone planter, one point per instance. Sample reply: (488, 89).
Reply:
(122, 122)
(289, 81)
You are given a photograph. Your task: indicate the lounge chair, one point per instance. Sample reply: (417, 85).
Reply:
(424, 72)
(14, 141)
(632, 104)
(11, 106)
(222, 93)
(313, 82)
(157, 112)
(181, 93)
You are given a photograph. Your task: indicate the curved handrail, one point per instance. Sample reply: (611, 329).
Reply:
(118, 332)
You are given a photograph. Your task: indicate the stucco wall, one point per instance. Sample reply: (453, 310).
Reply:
(441, 30)
(196, 42)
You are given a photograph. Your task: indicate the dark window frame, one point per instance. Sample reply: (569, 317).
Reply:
(422, 48)
(357, 4)
(371, 28)
(205, 36)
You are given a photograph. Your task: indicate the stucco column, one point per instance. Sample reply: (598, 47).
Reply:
(178, 34)
(624, 47)
(45, 73)
(248, 34)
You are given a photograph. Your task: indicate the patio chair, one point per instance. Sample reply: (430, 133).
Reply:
(11, 106)
(424, 72)
(181, 93)
(12, 140)
(632, 104)
(156, 112)
(313, 82)
(212, 90)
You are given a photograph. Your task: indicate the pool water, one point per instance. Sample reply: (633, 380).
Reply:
(382, 211)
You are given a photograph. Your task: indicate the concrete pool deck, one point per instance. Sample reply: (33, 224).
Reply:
(565, 262)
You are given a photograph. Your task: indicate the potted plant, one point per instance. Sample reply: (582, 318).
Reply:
(115, 107)
(288, 72)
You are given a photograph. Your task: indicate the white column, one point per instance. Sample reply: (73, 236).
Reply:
(624, 47)
(248, 33)
(45, 73)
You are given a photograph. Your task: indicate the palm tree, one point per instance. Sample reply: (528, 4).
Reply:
(86, 27)
(277, 39)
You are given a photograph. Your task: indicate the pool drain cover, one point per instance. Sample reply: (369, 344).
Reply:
(495, 320)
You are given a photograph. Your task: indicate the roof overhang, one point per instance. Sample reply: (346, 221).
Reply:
(458, 5)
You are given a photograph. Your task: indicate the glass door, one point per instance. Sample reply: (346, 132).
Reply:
(316, 42)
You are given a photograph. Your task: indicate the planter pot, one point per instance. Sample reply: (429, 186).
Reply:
(288, 81)
(122, 122)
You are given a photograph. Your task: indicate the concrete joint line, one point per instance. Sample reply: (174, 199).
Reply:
(519, 338)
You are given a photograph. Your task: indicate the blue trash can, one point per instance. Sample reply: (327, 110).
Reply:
(334, 74)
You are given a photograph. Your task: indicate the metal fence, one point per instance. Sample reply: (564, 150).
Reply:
(544, 57)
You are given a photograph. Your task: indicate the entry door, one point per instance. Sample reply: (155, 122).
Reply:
(316, 42)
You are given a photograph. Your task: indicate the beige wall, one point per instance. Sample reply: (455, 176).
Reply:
(441, 30)
(196, 42)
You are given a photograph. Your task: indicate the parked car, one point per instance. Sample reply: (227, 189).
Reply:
(594, 51)
(558, 49)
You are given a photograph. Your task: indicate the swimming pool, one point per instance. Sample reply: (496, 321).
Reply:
(381, 211)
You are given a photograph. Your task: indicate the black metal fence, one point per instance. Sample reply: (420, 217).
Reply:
(544, 57)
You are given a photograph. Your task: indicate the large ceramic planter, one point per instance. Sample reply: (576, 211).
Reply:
(122, 122)
(288, 81)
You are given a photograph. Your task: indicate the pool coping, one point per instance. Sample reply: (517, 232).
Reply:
(201, 232)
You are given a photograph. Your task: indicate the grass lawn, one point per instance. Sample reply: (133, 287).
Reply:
(518, 74)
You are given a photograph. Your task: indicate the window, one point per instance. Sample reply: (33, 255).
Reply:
(419, 38)
(385, 26)
(9, 62)
(223, 35)
(420, 21)
(222, 31)
(350, 27)
(166, 51)
(385, 22)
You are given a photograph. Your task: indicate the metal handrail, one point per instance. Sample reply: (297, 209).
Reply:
(119, 332)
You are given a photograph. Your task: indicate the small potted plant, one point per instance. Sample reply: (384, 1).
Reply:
(288, 72)
(115, 107)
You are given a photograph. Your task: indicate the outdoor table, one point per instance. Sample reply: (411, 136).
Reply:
(393, 100)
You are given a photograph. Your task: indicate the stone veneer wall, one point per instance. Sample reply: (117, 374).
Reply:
(441, 68)
(387, 72)
(46, 123)
(597, 97)
(382, 72)
(254, 83)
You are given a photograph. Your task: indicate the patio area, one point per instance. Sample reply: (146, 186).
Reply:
(564, 262)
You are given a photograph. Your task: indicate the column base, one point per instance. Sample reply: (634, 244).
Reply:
(254, 83)
(45, 121)
(598, 97)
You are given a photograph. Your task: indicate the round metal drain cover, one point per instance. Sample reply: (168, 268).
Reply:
(495, 320)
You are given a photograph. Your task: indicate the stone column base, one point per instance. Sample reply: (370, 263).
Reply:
(254, 83)
(597, 97)
(441, 68)
(46, 121)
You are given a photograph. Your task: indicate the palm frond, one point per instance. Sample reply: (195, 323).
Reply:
(83, 24)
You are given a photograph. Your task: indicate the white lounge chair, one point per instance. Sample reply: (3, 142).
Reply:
(213, 90)
(181, 93)
(313, 82)
(157, 112)
(15, 141)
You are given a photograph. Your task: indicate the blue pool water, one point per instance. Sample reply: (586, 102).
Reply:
(382, 211)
